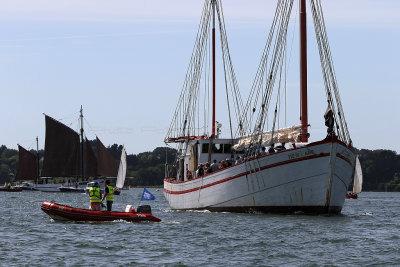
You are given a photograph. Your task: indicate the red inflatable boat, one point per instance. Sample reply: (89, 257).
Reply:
(66, 213)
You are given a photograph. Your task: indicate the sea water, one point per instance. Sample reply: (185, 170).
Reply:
(366, 234)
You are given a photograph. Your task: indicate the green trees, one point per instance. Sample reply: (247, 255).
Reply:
(8, 164)
(147, 168)
(380, 168)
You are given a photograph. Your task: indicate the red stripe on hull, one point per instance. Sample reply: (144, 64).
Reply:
(246, 173)
(345, 159)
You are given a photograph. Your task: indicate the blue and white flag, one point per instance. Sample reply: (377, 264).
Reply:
(147, 195)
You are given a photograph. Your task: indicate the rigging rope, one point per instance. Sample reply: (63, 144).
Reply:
(328, 71)
(186, 120)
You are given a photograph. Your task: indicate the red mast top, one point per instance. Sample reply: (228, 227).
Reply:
(303, 72)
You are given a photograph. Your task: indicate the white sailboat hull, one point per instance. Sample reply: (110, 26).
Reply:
(49, 187)
(311, 179)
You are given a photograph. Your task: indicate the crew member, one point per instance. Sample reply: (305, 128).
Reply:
(9, 185)
(109, 195)
(95, 197)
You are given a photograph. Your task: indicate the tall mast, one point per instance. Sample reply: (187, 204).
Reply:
(303, 71)
(37, 159)
(81, 119)
(213, 63)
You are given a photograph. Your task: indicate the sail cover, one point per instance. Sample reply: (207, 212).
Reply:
(106, 164)
(283, 135)
(358, 177)
(61, 153)
(27, 166)
(90, 166)
(121, 170)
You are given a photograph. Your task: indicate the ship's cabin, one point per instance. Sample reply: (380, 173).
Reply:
(204, 151)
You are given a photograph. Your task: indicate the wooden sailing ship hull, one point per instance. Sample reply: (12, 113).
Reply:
(311, 179)
(66, 213)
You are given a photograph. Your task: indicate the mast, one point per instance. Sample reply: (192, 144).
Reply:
(213, 81)
(81, 118)
(213, 63)
(37, 160)
(303, 72)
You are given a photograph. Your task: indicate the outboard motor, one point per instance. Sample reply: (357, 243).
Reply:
(144, 209)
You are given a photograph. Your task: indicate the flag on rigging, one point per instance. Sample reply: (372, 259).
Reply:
(147, 195)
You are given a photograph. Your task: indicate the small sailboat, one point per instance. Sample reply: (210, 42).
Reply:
(357, 181)
(121, 173)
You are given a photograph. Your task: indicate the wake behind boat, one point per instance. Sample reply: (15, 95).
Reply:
(305, 177)
(67, 213)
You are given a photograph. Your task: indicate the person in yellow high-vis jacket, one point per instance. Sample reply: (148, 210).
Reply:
(95, 197)
(109, 195)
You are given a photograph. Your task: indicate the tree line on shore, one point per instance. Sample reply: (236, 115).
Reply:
(381, 168)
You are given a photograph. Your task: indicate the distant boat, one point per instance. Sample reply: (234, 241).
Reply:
(305, 177)
(357, 181)
(121, 173)
(28, 168)
(68, 156)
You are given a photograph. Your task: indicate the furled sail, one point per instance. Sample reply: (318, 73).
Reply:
(121, 170)
(90, 167)
(27, 166)
(358, 177)
(283, 135)
(106, 164)
(61, 153)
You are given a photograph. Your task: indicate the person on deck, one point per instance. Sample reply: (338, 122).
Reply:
(200, 171)
(263, 152)
(271, 150)
(214, 166)
(95, 197)
(281, 147)
(109, 195)
(208, 168)
(9, 185)
(238, 160)
(223, 165)
(189, 174)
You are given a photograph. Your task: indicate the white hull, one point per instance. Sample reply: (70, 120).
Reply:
(48, 187)
(311, 179)
(54, 187)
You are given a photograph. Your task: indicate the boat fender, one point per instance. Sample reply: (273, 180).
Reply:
(144, 209)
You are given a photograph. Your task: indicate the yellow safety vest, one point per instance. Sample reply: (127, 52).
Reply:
(110, 196)
(9, 184)
(94, 194)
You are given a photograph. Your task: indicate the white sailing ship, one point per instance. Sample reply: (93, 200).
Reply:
(310, 177)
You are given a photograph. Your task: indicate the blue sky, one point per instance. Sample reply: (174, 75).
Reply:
(125, 61)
